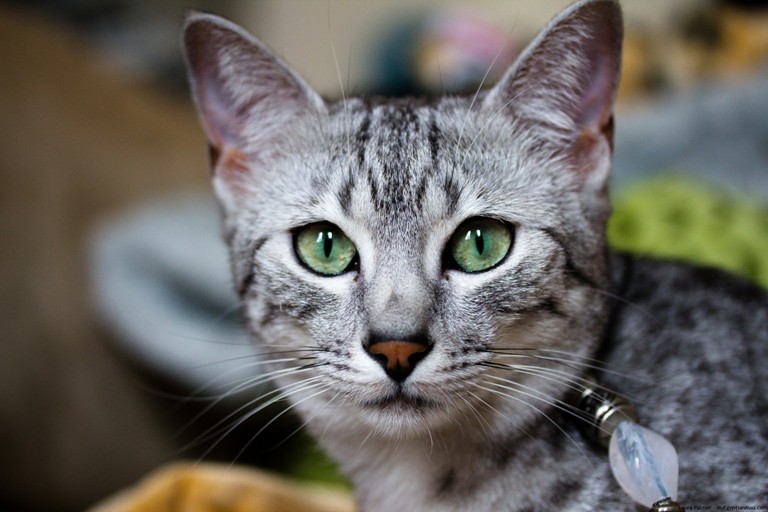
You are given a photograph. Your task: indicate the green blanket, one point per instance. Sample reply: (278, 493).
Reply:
(673, 218)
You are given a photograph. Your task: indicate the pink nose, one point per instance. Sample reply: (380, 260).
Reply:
(398, 358)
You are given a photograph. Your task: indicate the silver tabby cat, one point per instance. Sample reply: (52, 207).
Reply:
(432, 279)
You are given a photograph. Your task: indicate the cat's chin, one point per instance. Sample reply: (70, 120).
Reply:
(401, 402)
(400, 414)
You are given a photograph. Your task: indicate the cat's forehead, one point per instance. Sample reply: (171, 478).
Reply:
(449, 114)
(401, 168)
(391, 127)
(396, 157)
(424, 133)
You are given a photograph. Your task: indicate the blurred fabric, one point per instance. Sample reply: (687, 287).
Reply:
(75, 144)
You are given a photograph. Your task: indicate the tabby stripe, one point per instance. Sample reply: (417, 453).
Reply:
(345, 194)
(362, 138)
(374, 189)
(421, 190)
(570, 266)
(446, 482)
(547, 304)
(272, 312)
(563, 492)
(434, 140)
(621, 293)
(434, 148)
(277, 310)
(452, 194)
(247, 282)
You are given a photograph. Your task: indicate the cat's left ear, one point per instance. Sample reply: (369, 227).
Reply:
(564, 85)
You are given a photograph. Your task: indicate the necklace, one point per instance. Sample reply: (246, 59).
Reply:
(643, 462)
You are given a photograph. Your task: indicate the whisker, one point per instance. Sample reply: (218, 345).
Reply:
(563, 362)
(538, 395)
(567, 378)
(235, 307)
(333, 419)
(477, 93)
(496, 411)
(637, 307)
(440, 74)
(221, 433)
(249, 383)
(241, 358)
(550, 374)
(365, 440)
(493, 117)
(349, 67)
(309, 419)
(341, 85)
(191, 337)
(480, 419)
(323, 388)
(528, 404)
(196, 396)
(574, 364)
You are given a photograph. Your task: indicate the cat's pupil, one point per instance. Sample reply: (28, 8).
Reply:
(328, 244)
(479, 242)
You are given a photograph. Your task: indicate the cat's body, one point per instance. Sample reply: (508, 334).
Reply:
(692, 342)
(432, 280)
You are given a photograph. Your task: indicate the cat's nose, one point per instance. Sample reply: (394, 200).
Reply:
(398, 357)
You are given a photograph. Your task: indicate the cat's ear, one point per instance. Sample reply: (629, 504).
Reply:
(245, 95)
(564, 85)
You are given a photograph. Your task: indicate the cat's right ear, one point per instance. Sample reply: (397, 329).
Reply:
(564, 84)
(245, 95)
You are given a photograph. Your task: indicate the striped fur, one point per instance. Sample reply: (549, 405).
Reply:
(483, 422)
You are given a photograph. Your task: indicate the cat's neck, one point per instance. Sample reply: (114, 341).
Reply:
(459, 468)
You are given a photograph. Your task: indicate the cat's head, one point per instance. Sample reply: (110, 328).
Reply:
(425, 261)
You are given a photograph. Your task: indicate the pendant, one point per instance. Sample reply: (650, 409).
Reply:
(643, 462)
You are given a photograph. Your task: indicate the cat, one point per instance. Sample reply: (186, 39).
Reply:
(432, 280)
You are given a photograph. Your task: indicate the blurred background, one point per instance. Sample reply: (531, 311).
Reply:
(116, 311)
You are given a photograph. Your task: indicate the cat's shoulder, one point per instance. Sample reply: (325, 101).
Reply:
(688, 344)
(699, 292)
(674, 318)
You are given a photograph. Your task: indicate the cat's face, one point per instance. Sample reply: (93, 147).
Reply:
(417, 264)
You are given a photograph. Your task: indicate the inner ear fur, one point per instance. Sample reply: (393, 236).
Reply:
(564, 84)
(245, 95)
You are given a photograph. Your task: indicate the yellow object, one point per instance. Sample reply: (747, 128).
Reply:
(221, 488)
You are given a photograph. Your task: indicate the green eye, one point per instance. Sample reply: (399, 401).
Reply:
(324, 248)
(480, 244)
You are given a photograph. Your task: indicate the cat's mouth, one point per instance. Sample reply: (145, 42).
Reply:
(401, 400)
